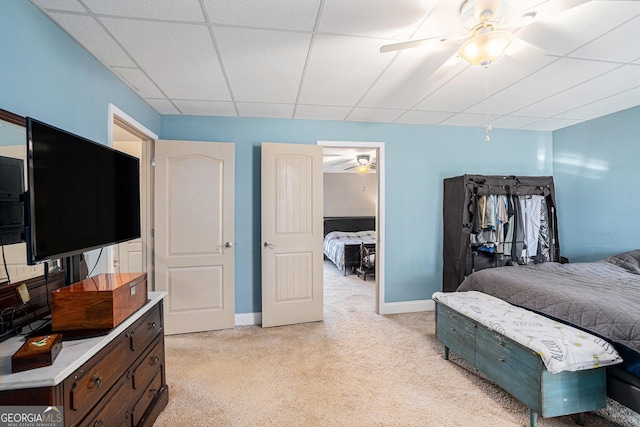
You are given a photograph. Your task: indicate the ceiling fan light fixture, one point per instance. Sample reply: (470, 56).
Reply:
(486, 46)
(362, 168)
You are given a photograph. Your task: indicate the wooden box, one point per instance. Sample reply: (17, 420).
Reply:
(37, 352)
(98, 303)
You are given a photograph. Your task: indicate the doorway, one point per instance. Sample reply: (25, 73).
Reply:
(343, 158)
(131, 137)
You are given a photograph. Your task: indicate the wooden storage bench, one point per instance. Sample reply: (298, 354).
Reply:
(519, 370)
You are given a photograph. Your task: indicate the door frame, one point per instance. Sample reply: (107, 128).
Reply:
(380, 228)
(146, 202)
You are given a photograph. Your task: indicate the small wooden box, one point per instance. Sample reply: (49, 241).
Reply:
(37, 352)
(99, 302)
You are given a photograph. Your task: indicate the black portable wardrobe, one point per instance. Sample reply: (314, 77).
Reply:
(461, 193)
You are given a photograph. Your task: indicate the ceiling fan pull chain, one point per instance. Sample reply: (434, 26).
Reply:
(487, 138)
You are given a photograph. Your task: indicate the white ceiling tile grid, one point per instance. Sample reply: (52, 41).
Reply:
(320, 59)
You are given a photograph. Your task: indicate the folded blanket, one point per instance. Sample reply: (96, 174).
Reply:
(561, 347)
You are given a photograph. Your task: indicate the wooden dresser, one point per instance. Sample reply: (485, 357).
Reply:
(113, 380)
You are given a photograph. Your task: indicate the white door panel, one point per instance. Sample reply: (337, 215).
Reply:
(194, 234)
(291, 234)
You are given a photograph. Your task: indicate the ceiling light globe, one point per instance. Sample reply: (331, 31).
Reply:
(485, 47)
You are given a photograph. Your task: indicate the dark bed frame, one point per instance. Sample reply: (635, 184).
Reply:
(350, 223)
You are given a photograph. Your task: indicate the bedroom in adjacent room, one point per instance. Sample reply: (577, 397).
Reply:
(350, 208)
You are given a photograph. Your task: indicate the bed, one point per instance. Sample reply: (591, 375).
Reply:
(601, 297)
(343, 237)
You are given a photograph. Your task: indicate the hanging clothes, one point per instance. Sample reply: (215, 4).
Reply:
(530, 208)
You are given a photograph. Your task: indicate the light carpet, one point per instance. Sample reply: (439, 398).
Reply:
(356, 368)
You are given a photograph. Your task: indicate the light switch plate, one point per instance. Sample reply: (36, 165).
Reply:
(23, 293)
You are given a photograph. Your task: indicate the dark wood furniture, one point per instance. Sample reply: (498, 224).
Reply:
(350, 223)
(112, 380)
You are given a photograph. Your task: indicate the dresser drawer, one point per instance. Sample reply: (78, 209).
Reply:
(115, 409)
(90, 383)
(148, 366)
(145, 330)
(457, 332)
(149, 395)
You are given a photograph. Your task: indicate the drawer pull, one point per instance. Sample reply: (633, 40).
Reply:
(502, 343)
(502, 359)
(154, 360)
(98, 423)
(453, 328)
(96, 381)
(152, 325)
(152, 393)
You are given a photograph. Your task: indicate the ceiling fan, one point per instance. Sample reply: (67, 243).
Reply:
(364, 164)
(488, 28)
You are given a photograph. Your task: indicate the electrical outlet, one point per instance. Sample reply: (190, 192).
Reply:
(23, 293)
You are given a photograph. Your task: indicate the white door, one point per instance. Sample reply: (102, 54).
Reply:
(291, 234)
(194, 254)
(128, 257)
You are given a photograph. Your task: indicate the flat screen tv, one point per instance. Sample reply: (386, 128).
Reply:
(11, 200)
(81, 195)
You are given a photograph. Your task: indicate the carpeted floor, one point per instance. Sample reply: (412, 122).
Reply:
(356, 368)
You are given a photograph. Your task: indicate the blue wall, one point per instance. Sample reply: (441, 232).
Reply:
(45, 74)
(418, 158)
(597, 177)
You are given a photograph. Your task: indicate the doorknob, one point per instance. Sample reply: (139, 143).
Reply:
(268, 245)
(228, 244)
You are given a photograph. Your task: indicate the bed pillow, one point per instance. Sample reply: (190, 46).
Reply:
(630, 261)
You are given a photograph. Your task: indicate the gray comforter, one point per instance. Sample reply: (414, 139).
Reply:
(602, 297)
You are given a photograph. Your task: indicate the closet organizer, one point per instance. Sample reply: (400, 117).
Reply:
(493, 221)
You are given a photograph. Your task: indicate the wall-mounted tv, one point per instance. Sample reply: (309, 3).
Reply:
(81, 195)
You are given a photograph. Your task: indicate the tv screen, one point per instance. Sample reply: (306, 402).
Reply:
(11, 201)
(82, 195)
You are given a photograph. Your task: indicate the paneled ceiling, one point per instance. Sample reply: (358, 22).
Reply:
(320, 59)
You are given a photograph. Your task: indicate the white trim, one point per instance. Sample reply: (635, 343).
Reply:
(408, 306)
(380, 215)
(248, 319)
(113, 112)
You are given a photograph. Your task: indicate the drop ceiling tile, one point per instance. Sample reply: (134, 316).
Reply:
(139, 82)
(206, 108)
(384, 115)
(374, 18)
(274, 111)
(417, 117)
(406, 82)
(263, 65)
(321, 112)
(179, 58)
(467, 119)
(555, 78)
(574, 28)
(615, 81)
(300, 15)
(551, 124)
(163, 106)
(167, 10)
(66, 5)
(611, 104)
(513, 122)
(341, 69)
(608, 47)
(93, 38)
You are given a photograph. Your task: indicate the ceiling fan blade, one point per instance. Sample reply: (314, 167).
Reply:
(523, 51)
(551, 8)
(409, 44)
(450, 66)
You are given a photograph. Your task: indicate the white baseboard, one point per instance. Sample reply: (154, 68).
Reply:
(407, 306)
(248, 319)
